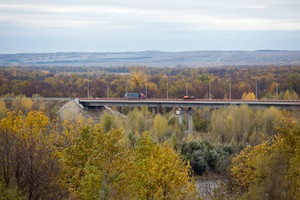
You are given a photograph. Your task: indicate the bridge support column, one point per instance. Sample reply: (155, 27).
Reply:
(180, 118)
(190, 120)
(189, 112)
(180, 112)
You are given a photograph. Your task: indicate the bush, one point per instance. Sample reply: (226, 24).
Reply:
(204, 157)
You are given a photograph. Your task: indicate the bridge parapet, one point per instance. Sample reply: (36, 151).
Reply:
(196, 103)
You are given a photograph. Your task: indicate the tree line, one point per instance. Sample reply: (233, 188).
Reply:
(266, 82)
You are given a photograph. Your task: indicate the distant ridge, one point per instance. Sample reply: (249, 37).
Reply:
(153, 58)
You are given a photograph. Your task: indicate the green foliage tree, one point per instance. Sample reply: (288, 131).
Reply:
(204, 157)
(107, 122)
(201, 119)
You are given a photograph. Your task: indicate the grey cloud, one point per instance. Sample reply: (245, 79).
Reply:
(136, 22)
(133, 11)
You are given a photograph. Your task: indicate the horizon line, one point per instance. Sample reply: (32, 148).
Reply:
(163, 51)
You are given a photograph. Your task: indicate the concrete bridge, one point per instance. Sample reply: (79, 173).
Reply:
(186, 106)
(195, 103)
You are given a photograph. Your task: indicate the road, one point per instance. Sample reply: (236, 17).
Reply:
(191, 103)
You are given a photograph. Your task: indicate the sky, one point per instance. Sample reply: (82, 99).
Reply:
(37, 26)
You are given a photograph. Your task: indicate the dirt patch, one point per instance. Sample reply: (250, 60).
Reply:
(74, 111)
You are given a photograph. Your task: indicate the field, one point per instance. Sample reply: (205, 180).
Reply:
(153, 58)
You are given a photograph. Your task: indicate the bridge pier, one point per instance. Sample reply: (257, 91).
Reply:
(189, 112)
(190, 120)
(180, 116)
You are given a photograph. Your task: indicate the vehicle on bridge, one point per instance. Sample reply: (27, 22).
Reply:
(188, 97)
(134, 96)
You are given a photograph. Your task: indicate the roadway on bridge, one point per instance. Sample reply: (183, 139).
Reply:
(190, 103)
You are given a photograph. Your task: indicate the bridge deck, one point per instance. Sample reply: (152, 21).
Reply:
(195, 103)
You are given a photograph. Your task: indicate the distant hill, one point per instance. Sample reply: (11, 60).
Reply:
(153, 58)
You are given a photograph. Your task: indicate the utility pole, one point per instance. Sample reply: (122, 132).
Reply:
(146, 91)
(167, 88)
(126, 90)
(276, 90)
(186, 89)
(256, 89)
(230, 90)
(88, 89)
(209, 90)
(107, 90)
(88, 85)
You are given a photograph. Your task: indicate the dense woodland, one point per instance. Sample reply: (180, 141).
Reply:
(246, 153)
(269, 82)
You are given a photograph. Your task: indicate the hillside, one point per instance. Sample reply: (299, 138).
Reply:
(153, 58)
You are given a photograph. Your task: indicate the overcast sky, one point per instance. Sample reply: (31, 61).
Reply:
(138, 25)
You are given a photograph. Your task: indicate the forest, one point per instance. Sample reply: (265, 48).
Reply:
(233, 153)
(266, 82)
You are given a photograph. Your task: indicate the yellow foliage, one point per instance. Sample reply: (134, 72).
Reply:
(271, 168)
(98, 166)
(160, 126)
(160, 173)
(246, 165)
(248, 96)
(27, 103)
(35, 124)
(138, 78)
(22, 103)
(31, 159)
(2, 106)
(152, 87)
(3, 109)
(290, 95)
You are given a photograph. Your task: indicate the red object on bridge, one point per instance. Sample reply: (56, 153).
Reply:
(188, 97)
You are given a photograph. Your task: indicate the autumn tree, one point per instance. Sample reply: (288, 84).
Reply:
(138, 81)
(242, 125)
(290, 95)
(107, 121)
(95, 166)
(160, 126)
(138, 120)
(270, 170)
(22, 103)
(3, 109)
(248, 96)
(28, 163)
(99, 165)
(160, 173)
(58, 82)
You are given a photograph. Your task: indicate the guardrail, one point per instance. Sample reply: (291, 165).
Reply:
(193, 103)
